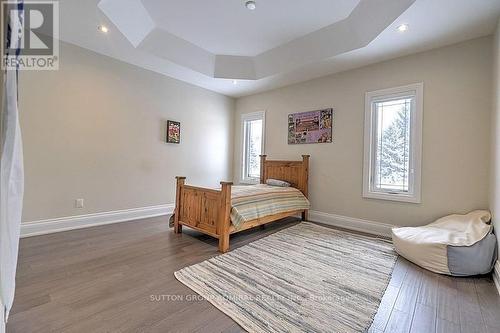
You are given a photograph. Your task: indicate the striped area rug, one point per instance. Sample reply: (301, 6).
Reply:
(306, 278)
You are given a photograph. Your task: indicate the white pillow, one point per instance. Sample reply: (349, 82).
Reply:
(277, 182)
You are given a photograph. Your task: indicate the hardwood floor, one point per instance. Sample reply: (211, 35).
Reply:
(119, 278)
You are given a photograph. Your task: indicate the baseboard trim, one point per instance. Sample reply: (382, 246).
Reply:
(496, 275)
(42, 227)
(352, 223)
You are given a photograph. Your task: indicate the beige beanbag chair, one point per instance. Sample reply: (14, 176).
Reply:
(455, 245)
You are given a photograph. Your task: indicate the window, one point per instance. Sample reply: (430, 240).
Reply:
(253, 145)
(393, 144)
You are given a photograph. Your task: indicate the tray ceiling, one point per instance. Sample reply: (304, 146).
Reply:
(264, 44)
(216, 43)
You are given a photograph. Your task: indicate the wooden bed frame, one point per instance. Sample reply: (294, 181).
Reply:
(207, 210)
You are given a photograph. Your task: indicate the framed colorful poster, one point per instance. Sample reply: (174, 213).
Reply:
(173, 131)
(310, 127)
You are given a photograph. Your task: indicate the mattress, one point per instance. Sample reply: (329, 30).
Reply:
(258, 201)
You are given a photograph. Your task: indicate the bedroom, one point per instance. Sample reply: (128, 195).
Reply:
(146, 91)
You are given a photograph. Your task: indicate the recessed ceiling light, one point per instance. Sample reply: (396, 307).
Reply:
(102, 28)
(235, 81)
(250, 4)
(403, 27)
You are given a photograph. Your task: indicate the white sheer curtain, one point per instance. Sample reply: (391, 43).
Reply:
(11, 171)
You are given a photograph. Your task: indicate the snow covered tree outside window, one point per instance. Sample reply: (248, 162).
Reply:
(253, 137)
(254, 148)
(392, 152)
(392, 162)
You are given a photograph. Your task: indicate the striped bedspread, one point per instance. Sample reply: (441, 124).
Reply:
(257, 201)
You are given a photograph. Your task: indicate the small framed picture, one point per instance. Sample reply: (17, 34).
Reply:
(173, 131)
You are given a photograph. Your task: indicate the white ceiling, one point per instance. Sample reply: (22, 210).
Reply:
(433, 23)
(358, 25)
(228, 27)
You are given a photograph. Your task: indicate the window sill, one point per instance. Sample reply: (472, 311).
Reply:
(393, 197)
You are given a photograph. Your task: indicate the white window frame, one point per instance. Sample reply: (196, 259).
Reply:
(259, 115)
(415, 154)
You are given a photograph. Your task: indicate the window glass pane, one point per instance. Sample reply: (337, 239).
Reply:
(392, 145)
(254, 146)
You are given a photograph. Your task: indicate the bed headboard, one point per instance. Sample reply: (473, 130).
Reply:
(294, 172)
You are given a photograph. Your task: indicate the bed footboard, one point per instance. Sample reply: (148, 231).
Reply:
(208, 210)
(203, 209)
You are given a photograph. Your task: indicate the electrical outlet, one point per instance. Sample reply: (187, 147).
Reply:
(79, 203)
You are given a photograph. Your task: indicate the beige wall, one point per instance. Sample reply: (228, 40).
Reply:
(456, 133)
(95, 130)
(495, 135)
